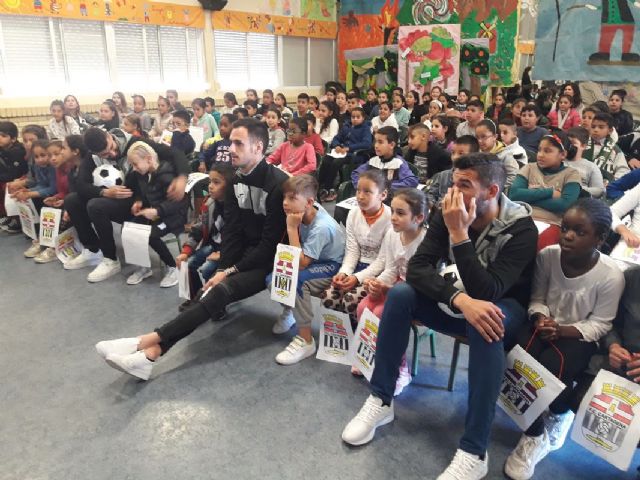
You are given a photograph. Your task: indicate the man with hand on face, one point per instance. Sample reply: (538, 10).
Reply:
(492, 242)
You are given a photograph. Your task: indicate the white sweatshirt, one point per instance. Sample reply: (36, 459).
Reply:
(377, 124)
(629, 202)
(395, 256)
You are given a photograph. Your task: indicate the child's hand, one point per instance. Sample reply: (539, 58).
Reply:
(214, 257)
(630, 238)
(550, 330)
(58, 203)
(14, 186)
(634, 163)
(22, 195)
(148, 213)
(337, 279)
(556, 194)
(49, 201)
(633, 367)
(181, 258)
(117, 191)
(202, 167)
(294, 220)
(65, 217)
(136, 207)
(348, 283)
(618, 356)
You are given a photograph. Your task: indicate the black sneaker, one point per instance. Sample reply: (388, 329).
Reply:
(323, 195)
(184, 305)
(331, 196)
(13, 227)
(4, 221)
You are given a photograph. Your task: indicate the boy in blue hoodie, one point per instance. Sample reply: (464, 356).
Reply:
(399, 175)
(351, 137)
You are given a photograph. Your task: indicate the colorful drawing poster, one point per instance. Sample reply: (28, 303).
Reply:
(324, 10)
(68, 245)
(375, 67)
(474, 65)
(336, 336)
(598, 41)
(273, 24)
(429, 56)
(363, 351)
(49, 225)
(286, 266)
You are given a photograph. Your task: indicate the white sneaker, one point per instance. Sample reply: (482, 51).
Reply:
(85, 259)
(521, 463)
(136, 364)
(170, 278)
(297, 350)
(466, 466)
(139, 275)
(46, 256)
(557, 427)
(105, 269)
(34, 250)
(284, 323)
(404, 378)
(121, 346)
(362, 427)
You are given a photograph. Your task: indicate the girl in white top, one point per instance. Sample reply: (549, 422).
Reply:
(163, 119)
(61, 125)
(575, 296)
(281, 103)
(385, 118)
(628, 203)
(398, 246)
(326, 123)
(366, 227)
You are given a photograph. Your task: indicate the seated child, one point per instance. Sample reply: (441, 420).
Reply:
(575, 295)
(590, 175)
(202, 119)
(210, 108)
(132, 124)
(398, 246)
(302, 106)
(426, 155)
(322, 241)
(241, 112)
(202, 246)
(516, 110)
(384, 118)
(61, 125)
(312, 137)
(219, 150)
(474, 114)
(548, 185)
(139, 105)
(149, 182)
(394, 167)
(509, 136)
(498, 110)
(181, 139)
(13, 166)
(564, 116)
(327, 125)
(487, 135)
(399, 111)
(276, 133)
(443, 131)
(530, 134)
(252, 109)
(295, 156)
(603, 151)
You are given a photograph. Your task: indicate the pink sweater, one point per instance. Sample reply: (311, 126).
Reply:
(298, 162)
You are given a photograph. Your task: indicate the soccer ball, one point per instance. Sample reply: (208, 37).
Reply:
(107, 176)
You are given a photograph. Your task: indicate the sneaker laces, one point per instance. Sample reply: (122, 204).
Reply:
(462, 464)
(369, 411)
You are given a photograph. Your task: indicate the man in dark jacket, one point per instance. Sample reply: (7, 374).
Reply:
(91, 208)
(254, 224)
(492, 242)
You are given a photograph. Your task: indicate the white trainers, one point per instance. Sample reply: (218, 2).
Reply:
(46, 256)
(136, 364)
(121, 346)
(284, 323)
(85, 259)
(170, 278)
(557, 427)
(466, 466)
(34, 250)
(362, 427)
(521, 463)
(297, 350)
(105, 269)
(404, 378)
(139, 275)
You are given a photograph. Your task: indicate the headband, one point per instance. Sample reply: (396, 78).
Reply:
(437, 102)
(557, 140)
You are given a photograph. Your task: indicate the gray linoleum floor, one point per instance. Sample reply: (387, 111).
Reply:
(217, 406)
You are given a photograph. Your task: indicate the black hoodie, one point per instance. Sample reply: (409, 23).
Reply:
(13, 164)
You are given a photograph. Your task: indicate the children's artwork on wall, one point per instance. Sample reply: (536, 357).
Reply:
(429, 56)
(426, 12)
(596, 41)
(372, 67)
(324, 10)
(287, 8)
(131, 11)
(273, 24)
(474, 65)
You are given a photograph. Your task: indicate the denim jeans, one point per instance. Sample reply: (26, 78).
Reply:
(199, 265)
(486, 360)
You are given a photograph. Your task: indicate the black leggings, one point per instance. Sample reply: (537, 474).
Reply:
(576, 355)
(329, 169)
(234, 288)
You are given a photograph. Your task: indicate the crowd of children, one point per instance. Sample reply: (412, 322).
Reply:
(560, 167)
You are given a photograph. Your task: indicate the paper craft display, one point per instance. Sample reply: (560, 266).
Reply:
(28, 218)
(607, 423)
(626, 253)
(336, 336)
(364, 344)
(49, 226)
(197, 133)
(135, 241)
(68, 245)
(193, 179)
(284, 281)
(527, 388)
(474, 65)
(183, 281)
(10, 205)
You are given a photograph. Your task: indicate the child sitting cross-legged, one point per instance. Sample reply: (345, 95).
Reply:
(394, 167)
(322, 241)
(295, 156)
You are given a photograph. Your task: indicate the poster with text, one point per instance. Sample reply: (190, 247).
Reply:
(286, 265)
(28, 216)
(336, 336)
(49, 226)
(364, 344)
(68, 245)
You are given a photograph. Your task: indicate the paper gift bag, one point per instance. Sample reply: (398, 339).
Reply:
(364, 344)
(10, 204)
(28, 221)
(183, 281)
(608, 421)
(49, 226)
(336, 336)
(527, 388)
(135, 242)
(284, 280)
(68, 245)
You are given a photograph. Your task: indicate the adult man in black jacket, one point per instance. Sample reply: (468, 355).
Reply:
(91, 209)
(492, 242)
(254, 224)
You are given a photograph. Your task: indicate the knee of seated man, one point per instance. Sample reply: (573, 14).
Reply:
(95, 206)
(402, 293)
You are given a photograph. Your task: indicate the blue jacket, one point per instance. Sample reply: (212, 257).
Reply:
(616, 189)
(356, 138)
(45, 181)
(398, 172)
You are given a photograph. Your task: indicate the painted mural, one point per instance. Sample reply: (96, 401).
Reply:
(474, 65)
(273, 24)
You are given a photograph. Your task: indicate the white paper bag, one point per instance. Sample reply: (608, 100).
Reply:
(607, 423)
(335, 154)
(28, 219)
(349, 203)
(626, 253)
(197, 133)
(336, 336)
(49, 226)
(541, 226)
(194, 178)
(68, 245)
(10, 204)
(527, 388)
(364, 344)
(183, 281)
(135, 241)
(284, 280)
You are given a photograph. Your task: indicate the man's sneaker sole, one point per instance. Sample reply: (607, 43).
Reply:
(115, 366)
(369, 437)
(102, 278)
